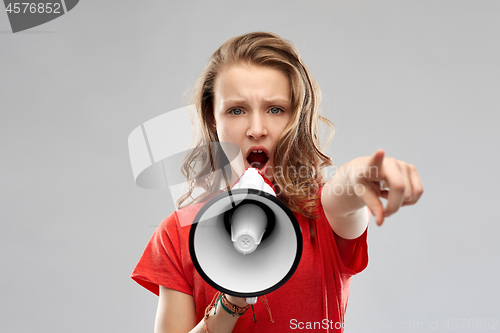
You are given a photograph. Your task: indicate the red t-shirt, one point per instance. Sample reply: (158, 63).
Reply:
(314, 298)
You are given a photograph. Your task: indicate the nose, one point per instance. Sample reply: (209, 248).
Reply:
(257, 127)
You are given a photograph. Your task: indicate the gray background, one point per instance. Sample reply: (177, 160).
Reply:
(417, 78)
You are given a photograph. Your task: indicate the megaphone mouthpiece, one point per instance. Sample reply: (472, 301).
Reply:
(248, 224)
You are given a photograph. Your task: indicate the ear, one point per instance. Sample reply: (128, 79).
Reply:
(213, 123)
(213, 126)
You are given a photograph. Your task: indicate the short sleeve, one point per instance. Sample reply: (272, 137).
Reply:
(161, 263)
(353, 252)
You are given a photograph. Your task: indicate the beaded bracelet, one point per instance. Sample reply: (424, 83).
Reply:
(231, 308)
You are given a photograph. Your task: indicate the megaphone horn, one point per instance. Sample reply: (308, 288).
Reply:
(246, 242)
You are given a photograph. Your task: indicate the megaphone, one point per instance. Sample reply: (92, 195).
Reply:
(245, 242)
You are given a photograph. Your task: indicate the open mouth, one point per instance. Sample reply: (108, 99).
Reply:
(257, 159)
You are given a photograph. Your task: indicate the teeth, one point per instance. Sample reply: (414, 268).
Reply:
(255, 151)
(260, 151)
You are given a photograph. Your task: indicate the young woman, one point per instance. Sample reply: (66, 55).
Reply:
(256, 93)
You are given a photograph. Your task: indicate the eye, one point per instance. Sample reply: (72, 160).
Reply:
(276, 110)
(236, 111)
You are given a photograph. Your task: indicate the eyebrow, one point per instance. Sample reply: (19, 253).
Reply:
(267, 101)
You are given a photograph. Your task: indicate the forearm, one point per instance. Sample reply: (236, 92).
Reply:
(339, 195)
(219, 320)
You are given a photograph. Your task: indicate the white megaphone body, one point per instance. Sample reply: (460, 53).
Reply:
(246, 242)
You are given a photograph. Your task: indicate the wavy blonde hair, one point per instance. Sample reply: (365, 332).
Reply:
(298, 148)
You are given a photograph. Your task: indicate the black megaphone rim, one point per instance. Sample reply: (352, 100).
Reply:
(291, 216)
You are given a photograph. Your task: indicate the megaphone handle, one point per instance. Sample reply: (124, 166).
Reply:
(252, 300)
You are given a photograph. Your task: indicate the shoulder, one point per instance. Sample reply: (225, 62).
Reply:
(181, 217)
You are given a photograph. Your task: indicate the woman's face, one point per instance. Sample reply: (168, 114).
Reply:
(251, 109)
